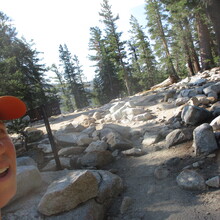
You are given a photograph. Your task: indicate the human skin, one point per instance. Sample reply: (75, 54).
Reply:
(7, 167)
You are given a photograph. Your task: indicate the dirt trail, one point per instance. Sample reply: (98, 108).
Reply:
(158, 199)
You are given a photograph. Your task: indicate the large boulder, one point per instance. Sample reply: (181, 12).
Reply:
(28, 180)
(188, 93)
(84, 139)
(66, 139)
(179, 136)
(190, 180)
(67, 151)
(90, 210)
(110, 185)
(130, 113)
(117, 142)
(193, 115)
(105, 129)
(71, 127)
(116, 107)
(96, 159)
(216, 123)
(212, 90)
(97, 146)
(25, 161)
(204, 139)
(68, 192)
(52, 166)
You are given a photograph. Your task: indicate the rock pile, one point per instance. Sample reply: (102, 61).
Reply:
(90, 143)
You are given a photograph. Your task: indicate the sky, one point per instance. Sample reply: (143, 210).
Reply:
(53, 22)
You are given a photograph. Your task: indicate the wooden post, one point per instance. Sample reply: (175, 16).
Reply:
(50, 136)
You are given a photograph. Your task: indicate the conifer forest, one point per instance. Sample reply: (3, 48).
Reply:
(179, 39)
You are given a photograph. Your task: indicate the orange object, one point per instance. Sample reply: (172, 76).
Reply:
(11, 108)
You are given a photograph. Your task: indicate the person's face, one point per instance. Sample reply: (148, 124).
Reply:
(7, 167)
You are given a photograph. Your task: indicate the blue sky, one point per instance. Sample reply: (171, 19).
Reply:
(53, 22)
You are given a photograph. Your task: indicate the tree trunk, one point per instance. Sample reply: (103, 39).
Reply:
(164, 41)
(204, 42)
(213, 11)
(187, 51)
(193, 54)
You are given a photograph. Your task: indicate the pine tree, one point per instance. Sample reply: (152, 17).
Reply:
(115, 46)
(72, 77)
(182, 42)
(213, 8)
(159, 33)
(21, 73)
(106, 83)
(143, 59)
(62, 87)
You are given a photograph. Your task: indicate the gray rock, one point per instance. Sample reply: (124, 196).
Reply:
(193, 115)
(169, 94)
(34, 134)
(25, 161)
(46, 148)
(190, 180)
(110, 185)
(188, 93)
(179, 136)
(66, 139)
(75, 162)
(89, 130)
(51, 166)
(28, 179)
(161, 172)
(215, 106)
(67, 151)
(105, 129)
(173, 162)
(84, 139)
(126, 202)
(143, 117)
(97, 146)
(181, 101)
(204, 139)
(97, 115)
(213, 182)
(96, 159)
(90, 210)
(71, 127)
(132, 112)
(213, 88)
(197, 81)
(116, 141)
(68, 192)
(151, 138)
(116, 107)
(136, 152)
(215, 123)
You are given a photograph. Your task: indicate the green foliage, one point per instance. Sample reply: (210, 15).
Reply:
(114, 45)
(107, 85)
(20, 72)
(143, 62)
(72, 79)
(17, 126)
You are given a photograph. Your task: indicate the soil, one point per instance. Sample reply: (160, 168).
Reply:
(159, 199)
